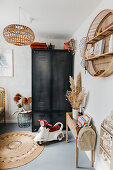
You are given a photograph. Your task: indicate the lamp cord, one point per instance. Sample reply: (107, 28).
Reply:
(19, 14)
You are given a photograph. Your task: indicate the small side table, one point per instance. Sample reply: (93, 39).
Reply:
(72, 124)
(24, 119)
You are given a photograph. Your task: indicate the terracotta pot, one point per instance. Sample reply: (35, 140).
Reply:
(66, 46)
(75, 114)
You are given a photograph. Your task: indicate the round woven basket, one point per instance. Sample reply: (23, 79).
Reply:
(101, 28)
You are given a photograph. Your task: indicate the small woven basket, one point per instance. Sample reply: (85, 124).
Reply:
(24, 120)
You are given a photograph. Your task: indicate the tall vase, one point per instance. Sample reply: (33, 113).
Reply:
(75, 114)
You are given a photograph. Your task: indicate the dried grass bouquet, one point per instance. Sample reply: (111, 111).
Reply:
(18, 100)
(23, 103)
(76, 95)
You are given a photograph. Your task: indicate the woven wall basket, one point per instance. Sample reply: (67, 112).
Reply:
(101, 28)
(19, 35)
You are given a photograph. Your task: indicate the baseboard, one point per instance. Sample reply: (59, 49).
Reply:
(9, 121)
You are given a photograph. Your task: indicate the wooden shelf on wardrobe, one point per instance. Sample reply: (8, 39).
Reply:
(102, 35)
(102, 55)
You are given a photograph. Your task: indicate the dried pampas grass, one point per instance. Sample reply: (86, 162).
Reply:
(78, 86)
(72, 85)
(80, 98)
(76, 95)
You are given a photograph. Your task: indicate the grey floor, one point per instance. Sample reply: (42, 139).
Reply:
(55, 156)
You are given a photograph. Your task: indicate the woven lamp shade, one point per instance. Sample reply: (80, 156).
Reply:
(19, 35)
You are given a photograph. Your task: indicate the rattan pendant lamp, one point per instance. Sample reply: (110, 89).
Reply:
(19, 35)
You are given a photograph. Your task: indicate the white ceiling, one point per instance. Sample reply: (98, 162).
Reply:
(51, 18)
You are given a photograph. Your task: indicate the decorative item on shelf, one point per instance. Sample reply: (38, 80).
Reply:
(111, 43)
(111, 24)
(84, 120)
(50, 46)
(81, 48)
(76, 95)
(38, 45)
(18, 34)
(89, 66)
(99, 72)
(67, 46)
(89, 51)
(72, 45)
(99, 47)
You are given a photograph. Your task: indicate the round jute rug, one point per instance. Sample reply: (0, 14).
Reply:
(18, 148)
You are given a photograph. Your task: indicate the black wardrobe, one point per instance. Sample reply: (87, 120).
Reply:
(50, 81)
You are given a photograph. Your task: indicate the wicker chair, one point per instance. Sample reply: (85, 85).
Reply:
(2, 103)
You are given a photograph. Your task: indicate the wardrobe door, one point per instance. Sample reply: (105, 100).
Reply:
(41, 77)
(39, 116)
(59, 117)
(61, 69)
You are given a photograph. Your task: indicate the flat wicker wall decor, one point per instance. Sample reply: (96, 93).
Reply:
(98, 56)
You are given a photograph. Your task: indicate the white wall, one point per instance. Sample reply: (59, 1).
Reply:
(100, 89)
(21, 82)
